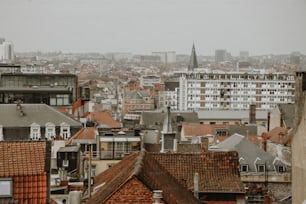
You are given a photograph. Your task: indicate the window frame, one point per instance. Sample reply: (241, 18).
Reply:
(242, 166)
(35, 133)
(10, 194)
(259, 166)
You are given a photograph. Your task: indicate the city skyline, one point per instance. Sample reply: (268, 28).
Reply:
(260, 27)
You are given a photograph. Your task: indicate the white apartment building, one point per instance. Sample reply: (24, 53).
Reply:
(215, 90)
(6, 51)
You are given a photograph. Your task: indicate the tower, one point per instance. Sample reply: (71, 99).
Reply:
(193, 60)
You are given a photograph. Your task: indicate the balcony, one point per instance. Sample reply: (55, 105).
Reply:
(115, 154)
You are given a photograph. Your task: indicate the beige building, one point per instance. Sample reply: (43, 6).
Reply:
(299, 141)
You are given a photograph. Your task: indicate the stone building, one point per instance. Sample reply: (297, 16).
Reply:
(299, 140)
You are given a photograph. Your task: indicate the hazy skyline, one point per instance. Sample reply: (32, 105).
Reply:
(143, 26)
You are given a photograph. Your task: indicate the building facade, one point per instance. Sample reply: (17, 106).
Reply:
(51, 89)
(211, 90)
(6, 51)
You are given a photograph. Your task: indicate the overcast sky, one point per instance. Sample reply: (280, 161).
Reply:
(142, 26)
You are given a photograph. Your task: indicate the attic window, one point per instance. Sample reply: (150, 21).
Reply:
(281, 169)
(260, 168)
(50, 130)
(6, 187)
(35, 132)
(65, 131)
(244, 168)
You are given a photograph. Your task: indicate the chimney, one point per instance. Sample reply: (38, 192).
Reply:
(281, 120)
(252, 115)
(196, 185)
(157, 195)
(204, 143)
(174, 145)
(264, 137)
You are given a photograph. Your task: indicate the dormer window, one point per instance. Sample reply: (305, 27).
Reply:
(65, 131)
(281, 169)
(35, 131)
(50, 130)
(261, 168)
(244, 168)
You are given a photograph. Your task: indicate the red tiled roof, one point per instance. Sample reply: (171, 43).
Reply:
(195, 129)
(88, 133)
(173, 174)
(22, 158)
(105, 118)
(218, 171)
(30, 189)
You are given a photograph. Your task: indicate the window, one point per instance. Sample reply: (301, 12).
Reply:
(50, 130)
(281, 169)
(221, 132)
(244, 168)
(65, 131)
(6, 187)
(260, 168)
(35, 131)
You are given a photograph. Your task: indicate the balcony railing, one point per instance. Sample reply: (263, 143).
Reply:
(115, 154)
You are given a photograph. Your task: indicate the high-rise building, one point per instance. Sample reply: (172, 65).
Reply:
(220, 56)
(6, 51)
(213, 90)
(205, 89)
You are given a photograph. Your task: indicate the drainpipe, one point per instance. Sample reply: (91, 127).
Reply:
(174, 145)
(196, 185)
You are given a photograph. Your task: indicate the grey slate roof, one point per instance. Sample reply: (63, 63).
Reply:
(248, 151)
(230, 114)
(33, 113)
(193, 63)
(154, 120)
(136, 94)
(243, 129)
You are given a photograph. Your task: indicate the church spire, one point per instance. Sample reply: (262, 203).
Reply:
(193, 59)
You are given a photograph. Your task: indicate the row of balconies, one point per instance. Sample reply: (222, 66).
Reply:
(250, 100)
(241, 78)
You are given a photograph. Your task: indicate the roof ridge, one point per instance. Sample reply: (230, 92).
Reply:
(61, 113)
(139, 162)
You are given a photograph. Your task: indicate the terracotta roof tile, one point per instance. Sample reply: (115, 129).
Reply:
(88, 133)
(195, 129)
(274, 136)
(22, 158)
(173, 174)
(218, 171)
(105, 118)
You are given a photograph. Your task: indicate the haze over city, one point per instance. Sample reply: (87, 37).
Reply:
(260, 27)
